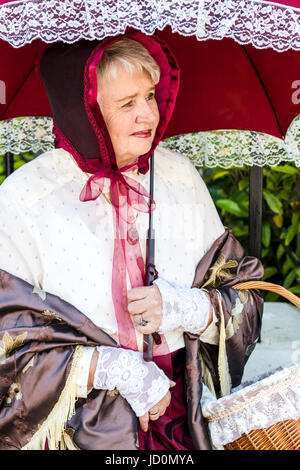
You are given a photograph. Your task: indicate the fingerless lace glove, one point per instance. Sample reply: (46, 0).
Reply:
(141, 383)
(184, 308)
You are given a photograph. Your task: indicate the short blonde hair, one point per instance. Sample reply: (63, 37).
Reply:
(132, 55)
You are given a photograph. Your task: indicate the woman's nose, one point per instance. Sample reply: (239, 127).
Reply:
(146, 113)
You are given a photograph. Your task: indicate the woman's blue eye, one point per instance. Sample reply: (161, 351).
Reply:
(127, 105)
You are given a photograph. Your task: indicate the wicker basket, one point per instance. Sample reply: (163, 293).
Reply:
(283, 435)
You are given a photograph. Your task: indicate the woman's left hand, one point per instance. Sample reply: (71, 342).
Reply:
(145, 303)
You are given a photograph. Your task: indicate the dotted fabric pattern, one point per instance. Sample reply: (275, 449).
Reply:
(51, 239)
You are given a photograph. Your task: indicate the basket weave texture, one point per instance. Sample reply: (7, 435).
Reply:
(263, 414)
(284, 434)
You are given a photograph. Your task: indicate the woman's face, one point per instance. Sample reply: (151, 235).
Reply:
(128, 106)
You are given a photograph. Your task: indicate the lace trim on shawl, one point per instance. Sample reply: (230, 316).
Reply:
(256, 406)
(224, 148)
(262, 23)
(53, 427)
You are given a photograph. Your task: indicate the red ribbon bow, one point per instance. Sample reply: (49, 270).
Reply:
(124, 191)
(126, 195)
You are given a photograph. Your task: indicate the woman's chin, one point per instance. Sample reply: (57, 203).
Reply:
(145, 145)
(138, 151)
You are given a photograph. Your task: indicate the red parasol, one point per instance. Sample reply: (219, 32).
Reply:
(227, 85)
(241, 88)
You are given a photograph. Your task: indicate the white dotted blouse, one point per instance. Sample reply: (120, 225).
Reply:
(63, 246)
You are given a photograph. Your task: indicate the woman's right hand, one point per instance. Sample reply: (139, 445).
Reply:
(157, 410)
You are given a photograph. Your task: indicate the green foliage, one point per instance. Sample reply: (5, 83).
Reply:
(19, 160)
(281, 218)
(2, 169)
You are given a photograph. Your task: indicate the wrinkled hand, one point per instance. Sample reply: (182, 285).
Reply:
(157, 410)
(146, 301)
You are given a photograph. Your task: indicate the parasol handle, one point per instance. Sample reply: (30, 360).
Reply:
(150, 270)
(270, 287)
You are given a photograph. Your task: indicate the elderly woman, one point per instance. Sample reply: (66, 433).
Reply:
(74, 307)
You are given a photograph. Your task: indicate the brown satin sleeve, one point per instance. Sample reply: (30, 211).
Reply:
(39, 340)
(197, 426)
(223, 266)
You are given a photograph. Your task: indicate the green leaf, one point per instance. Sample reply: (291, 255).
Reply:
(271, 297)
(266, 234)
(231, 207)
(239, 231)
(292, 231)
(244, 183)
(273, 202)
(287, 265)
(278, 220)
(279, 252)
(269, 272)
(18, 164)
(289, 279)
(270, 185)
(239, 197)
(282, 235)
(287, 169)
(220, 174)
(284, 194)
(295, 217)
(295, 289)
(264, 252)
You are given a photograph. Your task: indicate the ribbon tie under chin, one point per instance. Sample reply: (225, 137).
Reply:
(126, 194)
(124, 191)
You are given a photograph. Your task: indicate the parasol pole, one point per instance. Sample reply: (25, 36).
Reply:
(150, 267)
(9, 163)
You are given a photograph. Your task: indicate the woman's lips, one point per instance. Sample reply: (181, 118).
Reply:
(142, 134)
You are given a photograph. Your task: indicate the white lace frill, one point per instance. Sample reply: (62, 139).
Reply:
(141, 383)
(223, 148)
(26, 134)
(259, 405)
(184, 308)
(262, 23)
(236, 148)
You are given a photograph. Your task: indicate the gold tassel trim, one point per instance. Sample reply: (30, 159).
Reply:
(67, 440)
(53, 427)
(223, 368)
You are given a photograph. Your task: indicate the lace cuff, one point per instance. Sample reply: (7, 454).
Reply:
(141, 383)
(184, 308)
(83, 372)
